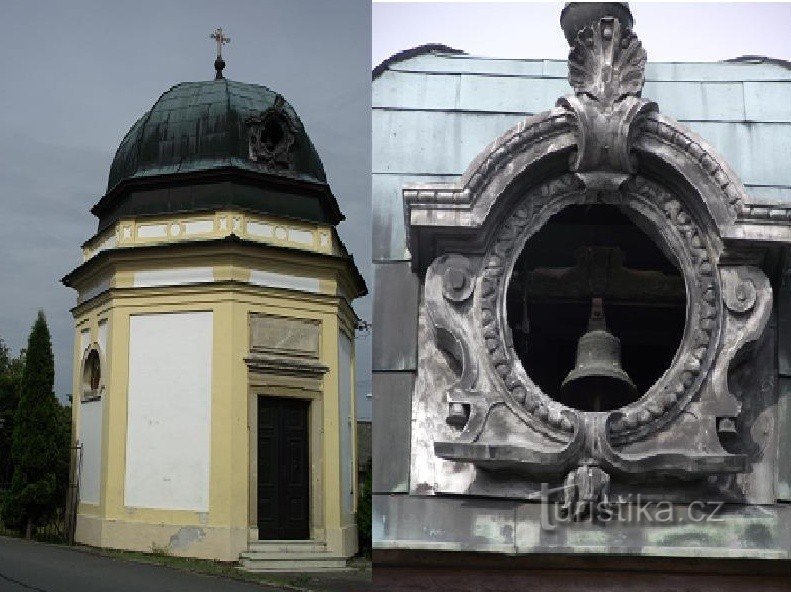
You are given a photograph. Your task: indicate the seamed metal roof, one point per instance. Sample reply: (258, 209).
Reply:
(196, 126)
(435, 110)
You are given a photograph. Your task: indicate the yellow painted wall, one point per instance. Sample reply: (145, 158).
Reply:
(223, 532)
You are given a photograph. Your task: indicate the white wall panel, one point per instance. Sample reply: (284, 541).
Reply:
(272, 279)
(169, 411)
(90, 430)
(199, 226)
(90, 436)
(173, 277)
(93, 290)
(152, 230)
(102, 340)
(85, 341)
(300, 236)
(260, 229)
(346, 420)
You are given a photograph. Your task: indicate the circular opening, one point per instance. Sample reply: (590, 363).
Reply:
(92, 374)
(596, 310)
(271, 134)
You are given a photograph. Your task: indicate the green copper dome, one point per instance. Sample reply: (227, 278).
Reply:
(201, 126)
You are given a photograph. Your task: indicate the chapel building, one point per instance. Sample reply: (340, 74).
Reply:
(214, 340)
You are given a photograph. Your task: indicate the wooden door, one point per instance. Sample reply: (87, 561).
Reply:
(283, 469)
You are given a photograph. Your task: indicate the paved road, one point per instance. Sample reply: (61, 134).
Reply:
(27, 566)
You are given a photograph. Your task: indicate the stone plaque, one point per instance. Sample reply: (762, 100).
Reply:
(283, 336)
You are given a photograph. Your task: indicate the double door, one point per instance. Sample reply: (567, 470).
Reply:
(283, 469)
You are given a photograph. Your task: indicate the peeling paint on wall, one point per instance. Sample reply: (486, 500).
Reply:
(186, 537)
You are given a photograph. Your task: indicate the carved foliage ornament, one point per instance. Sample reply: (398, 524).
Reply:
(272, 137)
(607, 63)
(607, 71)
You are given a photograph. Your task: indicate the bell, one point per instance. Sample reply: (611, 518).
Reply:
(598, 382)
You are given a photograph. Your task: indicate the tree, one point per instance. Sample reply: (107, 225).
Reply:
(364, 514)
(4, 356)
(37, 440)
(11, 370)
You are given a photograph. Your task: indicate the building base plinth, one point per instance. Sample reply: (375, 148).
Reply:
(199, 541)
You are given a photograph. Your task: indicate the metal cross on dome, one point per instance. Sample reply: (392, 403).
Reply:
(221, 40)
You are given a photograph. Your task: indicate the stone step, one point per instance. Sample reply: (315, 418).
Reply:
(287, 547)
(289, 562)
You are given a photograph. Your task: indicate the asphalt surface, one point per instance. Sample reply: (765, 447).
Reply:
(27, 566)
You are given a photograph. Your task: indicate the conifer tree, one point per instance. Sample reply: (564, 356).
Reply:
(37, 446)
(10, 382)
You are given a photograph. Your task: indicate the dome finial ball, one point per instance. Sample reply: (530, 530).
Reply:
(575, 16)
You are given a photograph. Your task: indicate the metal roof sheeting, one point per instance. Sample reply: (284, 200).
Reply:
(200, 126)
(433, 113)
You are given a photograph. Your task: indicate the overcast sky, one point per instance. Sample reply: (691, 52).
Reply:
(76, 75)
(682, 32)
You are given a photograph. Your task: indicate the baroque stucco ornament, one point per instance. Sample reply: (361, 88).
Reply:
(476, 407)
(607, 71)
(273, 137)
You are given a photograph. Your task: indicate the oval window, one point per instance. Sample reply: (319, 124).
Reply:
(596, 309)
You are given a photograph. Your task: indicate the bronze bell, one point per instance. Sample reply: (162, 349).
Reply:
(598, 382)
